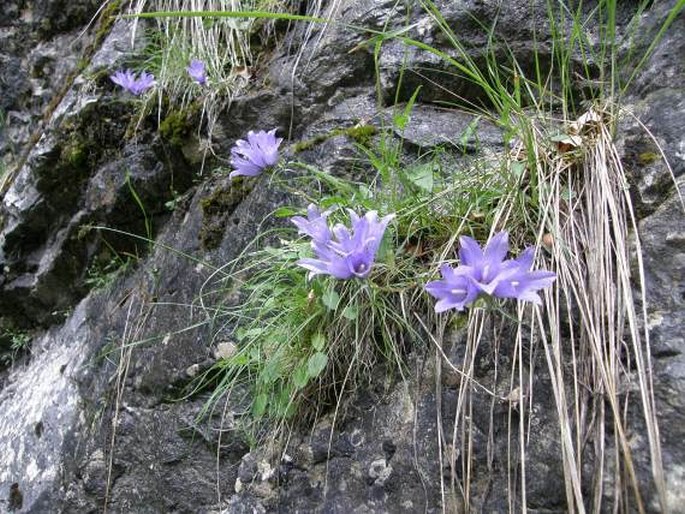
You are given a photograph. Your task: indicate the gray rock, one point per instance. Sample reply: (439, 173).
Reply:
(40, 423)
(41, 42)
(429, 127)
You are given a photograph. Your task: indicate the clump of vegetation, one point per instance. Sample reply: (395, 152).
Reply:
(178, 125)
(103, 272)
(13, 342)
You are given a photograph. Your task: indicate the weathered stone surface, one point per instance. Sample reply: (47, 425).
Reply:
(458, 131)
(41, 409)
(662, 235)
(85, 170)
(71, 182)
(41, 42)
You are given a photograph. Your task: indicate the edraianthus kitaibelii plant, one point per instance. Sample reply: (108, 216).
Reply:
(250, 157)
(486, 271)
(340, 251)
(135, 85)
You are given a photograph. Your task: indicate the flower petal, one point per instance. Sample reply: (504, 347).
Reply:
(469, 251)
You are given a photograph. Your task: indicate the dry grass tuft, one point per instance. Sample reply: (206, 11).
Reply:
(591, 331)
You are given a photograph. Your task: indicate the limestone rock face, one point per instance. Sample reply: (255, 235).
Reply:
(91, 416)
(40, 45)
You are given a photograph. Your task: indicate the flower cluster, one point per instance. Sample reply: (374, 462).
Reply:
(197, 72)
(260, 151)
(349, 252)
(134, 85)
(340, 251)
(487, 271)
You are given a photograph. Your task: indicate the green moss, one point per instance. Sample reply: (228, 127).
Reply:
(216, 209)
(360, 134)
(219, 200)
(178, 125)
(174, 128)
(107, 19)
(74, 153)
(648, 158)
(308, 144)
(105, 22)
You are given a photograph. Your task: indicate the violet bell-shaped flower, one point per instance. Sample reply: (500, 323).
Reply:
(487, 271)
(260, 151)
(485, 266)
(455, 291)
(134, 85)
(314, 225)
(342, 252)
(522, 283)
(197, 72)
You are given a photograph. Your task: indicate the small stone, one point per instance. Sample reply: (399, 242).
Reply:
(193, 370)
(380, 471)
(224, 350)
(265, 470)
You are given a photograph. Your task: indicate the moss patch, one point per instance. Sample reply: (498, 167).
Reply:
(74, 153)
(178, 125)
(105, 22)
(217, 209)
(360, 134)
(646, 158)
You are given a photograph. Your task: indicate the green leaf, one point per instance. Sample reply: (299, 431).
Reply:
(272, 371)
(284, 407)
(568, 139)
(518, 168)
(284, 212)
(421, 176)
(469, 133)
(239, 360)
(401, 120)
(331, 201)
(386, 250)
(301, 377)
(318, 341)
(259, 405)
(350, 312)
(365, 192)
(331, 299)
(248, 334)
(316, 364)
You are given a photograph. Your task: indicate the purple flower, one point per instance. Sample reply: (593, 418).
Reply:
(487, 271)
(314, 225)
(342, 252)
(454, 291)
(196, 70)
(485, 266)
(250, 157)
(127, 79)
(522, 283)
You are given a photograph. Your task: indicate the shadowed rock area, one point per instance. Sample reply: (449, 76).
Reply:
(92, 416)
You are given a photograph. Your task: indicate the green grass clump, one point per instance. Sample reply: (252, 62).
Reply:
(294, 337)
